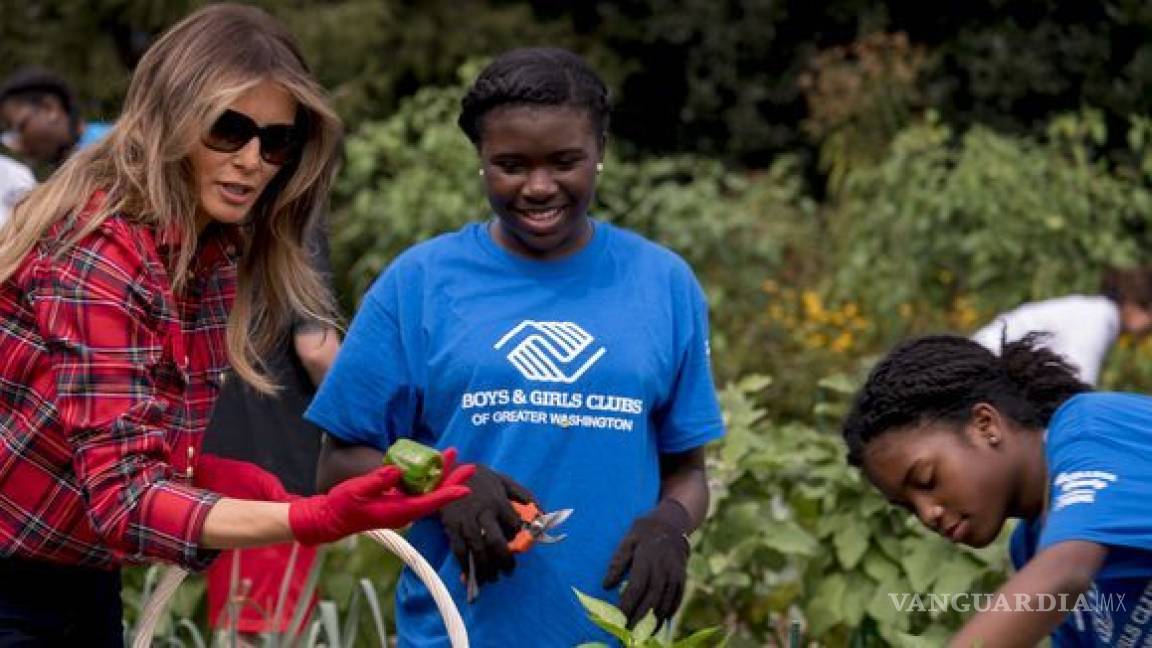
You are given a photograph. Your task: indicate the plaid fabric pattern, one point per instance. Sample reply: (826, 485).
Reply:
(107, 380)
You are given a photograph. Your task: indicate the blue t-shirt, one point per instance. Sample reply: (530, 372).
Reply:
(571, 376)
(1099, 454)
(93, 132)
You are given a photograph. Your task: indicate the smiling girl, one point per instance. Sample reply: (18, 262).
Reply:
(967, 440)
(567, 355)
(129, 282)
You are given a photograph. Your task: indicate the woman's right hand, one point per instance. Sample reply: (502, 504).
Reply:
(374, 501)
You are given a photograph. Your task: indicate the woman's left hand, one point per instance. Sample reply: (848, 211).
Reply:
(654, 554)
(239, 479)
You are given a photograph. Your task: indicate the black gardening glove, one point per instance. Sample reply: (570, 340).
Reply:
(484, 522)
(655, 556)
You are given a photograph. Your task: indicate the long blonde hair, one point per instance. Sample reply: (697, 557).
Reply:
(182, 84)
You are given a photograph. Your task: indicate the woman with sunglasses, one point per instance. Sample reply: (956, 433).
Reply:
(146, 266)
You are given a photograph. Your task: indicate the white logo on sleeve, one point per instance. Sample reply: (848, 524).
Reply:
(550, 351)
(1079, 487)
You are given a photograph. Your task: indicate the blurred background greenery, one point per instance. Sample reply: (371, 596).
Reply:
(840, 174)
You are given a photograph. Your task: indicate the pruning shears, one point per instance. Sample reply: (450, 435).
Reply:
(535, 526)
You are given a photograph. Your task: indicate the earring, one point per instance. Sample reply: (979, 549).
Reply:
(599, 167)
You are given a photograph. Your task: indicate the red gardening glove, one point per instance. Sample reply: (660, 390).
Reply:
(373, 501)
(239, 479)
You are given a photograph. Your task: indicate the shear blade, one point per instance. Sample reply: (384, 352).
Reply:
(556, 518)
(473, 588)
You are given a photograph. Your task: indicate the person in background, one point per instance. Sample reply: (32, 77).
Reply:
(967, 440)
(566, 355)
(41, 118)
(1081, 328)
(15, 181)
(131, 280)
(270, 432)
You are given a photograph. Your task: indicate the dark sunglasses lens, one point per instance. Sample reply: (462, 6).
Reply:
(230, 132)
(278, 144)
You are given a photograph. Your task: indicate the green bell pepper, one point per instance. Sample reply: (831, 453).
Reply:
(422, 466)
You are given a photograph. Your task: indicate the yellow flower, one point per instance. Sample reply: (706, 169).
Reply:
(816, 340)
(843, 342)
(813, 307)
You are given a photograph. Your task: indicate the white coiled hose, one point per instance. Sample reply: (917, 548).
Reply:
(392, 541)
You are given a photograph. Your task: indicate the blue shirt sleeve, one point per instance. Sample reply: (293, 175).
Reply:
(692, 415)
(1100, 476)
(370, 395)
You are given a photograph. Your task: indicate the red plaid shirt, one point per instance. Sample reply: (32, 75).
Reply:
(107, 380)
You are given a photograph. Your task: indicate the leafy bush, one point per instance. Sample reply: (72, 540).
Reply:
(996, 218)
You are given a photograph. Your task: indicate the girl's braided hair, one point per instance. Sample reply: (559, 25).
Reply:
(535, 76)
(941, 377)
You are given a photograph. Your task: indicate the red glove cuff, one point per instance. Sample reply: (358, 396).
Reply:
(310, 521)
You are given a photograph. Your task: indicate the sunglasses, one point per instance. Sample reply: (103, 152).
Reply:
(279, 143)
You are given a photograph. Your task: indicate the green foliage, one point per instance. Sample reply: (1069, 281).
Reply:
(796, 531)
(714, 78)
(405, 180)
(354, 577)
(859, 96)
(1002, 219)
(645, 633)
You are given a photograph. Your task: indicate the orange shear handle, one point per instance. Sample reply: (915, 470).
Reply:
(524, 539)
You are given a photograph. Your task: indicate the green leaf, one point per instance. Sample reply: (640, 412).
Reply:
(601, 610)
(618, 631)
(645, 627)
(788, 538)
(891, 546)
(839, 383)
(956, 575)
(923, 560)
(825, 608)
(698, 638)
(857, 595)
(879, 567)
(883, 606)
(851, 541)
(754, 383)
